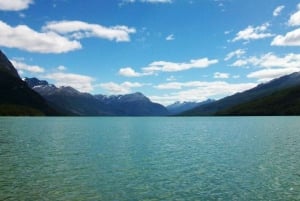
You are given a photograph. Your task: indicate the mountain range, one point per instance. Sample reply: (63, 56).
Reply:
(32, 96)
(72, 102)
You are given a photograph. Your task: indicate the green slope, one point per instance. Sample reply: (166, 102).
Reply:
(256, 93)
(282, 102)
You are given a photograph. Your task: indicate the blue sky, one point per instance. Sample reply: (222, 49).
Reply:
(170, 50)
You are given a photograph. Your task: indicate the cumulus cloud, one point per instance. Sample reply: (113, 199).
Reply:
(290, 39)
(270, 60)
(123, 88)
(198, 91)
(295, 18)
(219, 75)
(82, 83)
(20, 66)
(238, 53)
(24, 38)
(253, 33)
(58, 37)
(274, 66)
(14, 5)
(129, 72)
(278, 10)
(79, 29)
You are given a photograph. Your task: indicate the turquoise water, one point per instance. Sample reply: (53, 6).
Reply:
(249, 158)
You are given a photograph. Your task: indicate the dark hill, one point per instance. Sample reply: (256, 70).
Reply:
(16, 98)
(282, 102)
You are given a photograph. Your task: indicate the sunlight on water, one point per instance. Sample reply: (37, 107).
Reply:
(253, 158)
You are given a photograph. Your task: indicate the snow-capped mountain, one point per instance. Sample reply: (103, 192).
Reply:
(72, 102)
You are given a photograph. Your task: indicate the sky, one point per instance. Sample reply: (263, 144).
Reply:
(170, 50)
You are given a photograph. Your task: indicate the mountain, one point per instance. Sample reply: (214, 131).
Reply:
(179, 107)
(7, 67)
(282, 102)
(72, 102)
(135, 104)
(16, 98)
(68, 100)
(257, 92)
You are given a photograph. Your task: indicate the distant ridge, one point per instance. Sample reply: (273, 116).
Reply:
(69, 101)
(224, 105)
(282, 102)
(179, 107)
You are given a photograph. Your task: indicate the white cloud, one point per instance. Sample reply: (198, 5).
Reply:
(79, 29)
(238, 53)
(290, 39)
(170, 37)
(295, 18)
(21, 67)
(269, 74)
(82, 83)
(14, 5)
(165, 66)
(23, 37)
(219, 75)
(253, 33)
(198, 91)
(129, 72)
(123, 88)
(278, 10)
(270, 60)
(58, 37)
(274, 66)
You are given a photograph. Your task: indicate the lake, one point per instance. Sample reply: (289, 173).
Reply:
(149, 158)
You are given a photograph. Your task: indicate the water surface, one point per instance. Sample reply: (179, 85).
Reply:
(150, 158)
